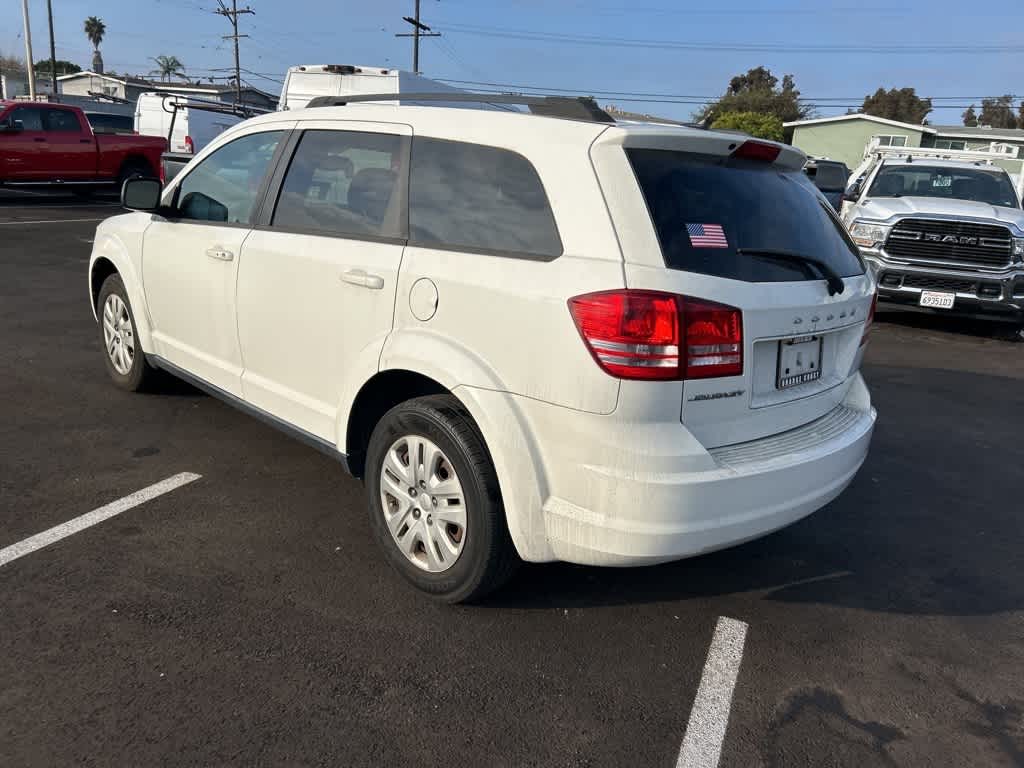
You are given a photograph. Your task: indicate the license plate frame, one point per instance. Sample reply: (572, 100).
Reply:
(937, 299)
(792, 367)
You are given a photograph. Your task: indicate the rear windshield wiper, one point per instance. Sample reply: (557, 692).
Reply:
(835, 282)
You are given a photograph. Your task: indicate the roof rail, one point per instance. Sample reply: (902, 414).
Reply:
(568, 107)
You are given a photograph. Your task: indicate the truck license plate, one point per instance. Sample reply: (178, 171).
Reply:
(937, 299)
(799, 361)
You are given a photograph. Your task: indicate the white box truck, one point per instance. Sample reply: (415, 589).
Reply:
(196, 122)
(308, 81)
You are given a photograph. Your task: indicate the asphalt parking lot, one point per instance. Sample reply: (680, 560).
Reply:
(246, 618)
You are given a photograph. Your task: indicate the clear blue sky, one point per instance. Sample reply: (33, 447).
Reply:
(697, 46)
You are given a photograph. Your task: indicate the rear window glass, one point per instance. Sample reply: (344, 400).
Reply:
(477, 198)
(828, 177)
(978, 184)
(705, 208)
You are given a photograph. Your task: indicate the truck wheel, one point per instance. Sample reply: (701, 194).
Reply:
(126, 362)
(435, 506)
(131, 169)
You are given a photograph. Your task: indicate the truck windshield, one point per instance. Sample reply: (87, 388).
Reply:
(720, 216)
(982, 185)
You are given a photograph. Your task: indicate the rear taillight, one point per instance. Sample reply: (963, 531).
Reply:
(636, 334)
(163, 173)
(190, 146)
(870, 320)
(757, 150)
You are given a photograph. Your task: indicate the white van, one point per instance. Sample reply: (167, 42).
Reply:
(196, 124)
(303, 83)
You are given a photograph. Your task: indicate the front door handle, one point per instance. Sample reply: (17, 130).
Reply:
(220, 253)
(362, 278)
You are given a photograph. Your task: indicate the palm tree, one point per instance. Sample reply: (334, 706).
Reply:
(94, 30)
(168, 66)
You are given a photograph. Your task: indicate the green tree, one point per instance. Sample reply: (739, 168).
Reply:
(970, 117)
(998, 112)
(95, 29)
(755, 123)
(167, 67)
(902, 104)
(63, 67)
(758, 90)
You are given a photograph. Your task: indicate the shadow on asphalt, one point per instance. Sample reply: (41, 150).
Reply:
(1002, 330)
(927, 527)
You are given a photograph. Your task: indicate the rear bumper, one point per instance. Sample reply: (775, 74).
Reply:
(642, 511)
(977, 292)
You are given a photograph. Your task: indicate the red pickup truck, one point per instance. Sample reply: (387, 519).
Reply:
(53, 144)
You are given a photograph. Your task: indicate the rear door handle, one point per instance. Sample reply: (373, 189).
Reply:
(362, 278)
(40, 139)
(220, 253)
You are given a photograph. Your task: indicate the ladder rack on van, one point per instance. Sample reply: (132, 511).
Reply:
(187, 102)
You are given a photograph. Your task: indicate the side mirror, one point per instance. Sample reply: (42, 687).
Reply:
(852, 193)
(140, 194)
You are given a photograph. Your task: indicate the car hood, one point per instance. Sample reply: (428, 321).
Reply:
(892, 208)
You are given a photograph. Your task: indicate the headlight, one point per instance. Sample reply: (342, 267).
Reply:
(869, 235)
(1018, 248)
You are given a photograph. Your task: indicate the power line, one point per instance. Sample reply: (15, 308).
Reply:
(682, 97)
(623, 42)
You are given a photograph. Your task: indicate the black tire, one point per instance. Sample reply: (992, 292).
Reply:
(141, 375)
(488, 558)
(131, 169)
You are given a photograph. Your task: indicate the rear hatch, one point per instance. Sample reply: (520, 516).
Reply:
(736, 222)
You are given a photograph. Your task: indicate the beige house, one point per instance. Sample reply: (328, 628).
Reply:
(846, 137)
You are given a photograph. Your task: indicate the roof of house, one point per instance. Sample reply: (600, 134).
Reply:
(860, 116)
(959, 131)
(163, 85)
(980, 132)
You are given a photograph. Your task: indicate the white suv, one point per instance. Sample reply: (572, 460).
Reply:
(534, 337)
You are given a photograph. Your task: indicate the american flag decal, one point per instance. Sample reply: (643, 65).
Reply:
(706, 236)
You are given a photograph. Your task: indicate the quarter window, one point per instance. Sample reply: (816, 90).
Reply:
(344, 183)
(224, 186)
(478, 198)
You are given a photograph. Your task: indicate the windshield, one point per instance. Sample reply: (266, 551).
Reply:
(707, 210)
(982, 185)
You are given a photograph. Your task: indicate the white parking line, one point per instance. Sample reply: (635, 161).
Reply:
(58, 532)
(49, 221)
(702, 743)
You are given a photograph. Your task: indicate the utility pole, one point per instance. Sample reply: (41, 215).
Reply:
(232, 14)
(28, 52)
(419, 29)
(53, 50)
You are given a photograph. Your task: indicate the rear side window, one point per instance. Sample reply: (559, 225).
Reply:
(477, 198)
(704, 208)
(62, 120)
(344, 183)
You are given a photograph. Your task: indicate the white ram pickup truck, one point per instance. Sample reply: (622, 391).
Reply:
(942, 235)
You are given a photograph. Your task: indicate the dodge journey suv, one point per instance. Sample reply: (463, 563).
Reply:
(535, 337)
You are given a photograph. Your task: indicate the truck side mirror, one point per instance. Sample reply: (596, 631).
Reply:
(853, 191)
(140, 194)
